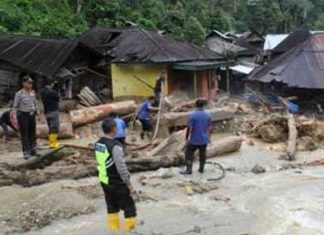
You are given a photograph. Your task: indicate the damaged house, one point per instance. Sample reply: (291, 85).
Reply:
(43, 58)
(138, 56)
(298, 71)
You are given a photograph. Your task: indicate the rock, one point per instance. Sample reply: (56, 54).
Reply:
(249, 142)
(197, 229)
(220, 198)
(231, 168)
(306, 143)
(142, 179)
(257, 169)
(189, 190)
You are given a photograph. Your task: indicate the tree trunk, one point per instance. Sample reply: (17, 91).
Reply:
(66, 131)
(179, 119)
(217, 148)
(98, 113)
(292, 139)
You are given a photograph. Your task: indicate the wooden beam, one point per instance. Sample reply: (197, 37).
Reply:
(227, 80)
(195, 85)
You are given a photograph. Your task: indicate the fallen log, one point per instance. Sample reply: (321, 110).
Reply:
(173, 144)
(66, 131)
(292, 139)
(217, 148)
(48, 167)
(38, 162)
(179, 119)
(98, 113)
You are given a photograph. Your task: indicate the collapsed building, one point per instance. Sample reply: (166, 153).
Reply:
(42, 58)
(298, 71)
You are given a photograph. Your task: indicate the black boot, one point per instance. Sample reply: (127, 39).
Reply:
(188, 170)
(142, 135)
(201, 167)
(34, 153)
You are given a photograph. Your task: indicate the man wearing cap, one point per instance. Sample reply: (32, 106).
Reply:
(25, 105)
(51, 99)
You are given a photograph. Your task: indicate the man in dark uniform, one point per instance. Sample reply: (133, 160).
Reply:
(25, 105)
(51, 99)
(115, 178)
(198, 134)
(158, 88)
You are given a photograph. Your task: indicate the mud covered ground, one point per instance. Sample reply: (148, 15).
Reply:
(286, 199)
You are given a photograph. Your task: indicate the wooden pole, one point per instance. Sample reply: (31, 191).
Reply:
(195, 85)
(227, 80)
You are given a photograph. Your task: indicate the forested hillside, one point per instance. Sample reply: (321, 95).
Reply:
(183, 19)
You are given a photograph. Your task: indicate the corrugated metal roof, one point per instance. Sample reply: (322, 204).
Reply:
(272, 40)
(242, 69)
(302, 66)
(293, 39)
(222, 47)
(35, 55)
(139, 45)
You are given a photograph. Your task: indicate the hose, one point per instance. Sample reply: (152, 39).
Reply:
(215, 164)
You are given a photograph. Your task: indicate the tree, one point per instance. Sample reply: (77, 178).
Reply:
(194, 32)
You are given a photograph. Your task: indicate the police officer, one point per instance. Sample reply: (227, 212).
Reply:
(25, 105)
(51, 99)
(115, 178)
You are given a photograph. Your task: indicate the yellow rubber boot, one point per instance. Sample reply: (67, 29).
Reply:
(113, 222)
(53, 141)
(50, 140)
(130, 223)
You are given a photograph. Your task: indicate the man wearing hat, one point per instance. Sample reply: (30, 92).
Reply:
(25, 105)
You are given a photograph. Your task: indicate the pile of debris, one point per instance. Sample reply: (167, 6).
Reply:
(274, 129)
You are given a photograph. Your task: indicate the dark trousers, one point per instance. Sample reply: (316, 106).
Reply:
(27, 128)
(118, 198)
(190, 151)
(53, 122)
(146, 125)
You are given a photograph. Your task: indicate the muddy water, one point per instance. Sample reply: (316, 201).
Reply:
(275, 203)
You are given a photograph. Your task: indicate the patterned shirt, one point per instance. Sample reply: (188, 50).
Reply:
(25, 101)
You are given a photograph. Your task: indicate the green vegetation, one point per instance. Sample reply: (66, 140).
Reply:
(183, 19)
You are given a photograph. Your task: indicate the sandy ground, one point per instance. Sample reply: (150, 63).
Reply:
(284, 200)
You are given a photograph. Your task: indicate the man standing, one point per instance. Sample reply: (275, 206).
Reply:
(115, 178)
(51, 99)
(6, 121)
(25, 105)
(198, 133)
(120, 127)
(144, 115)
(158, 88)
